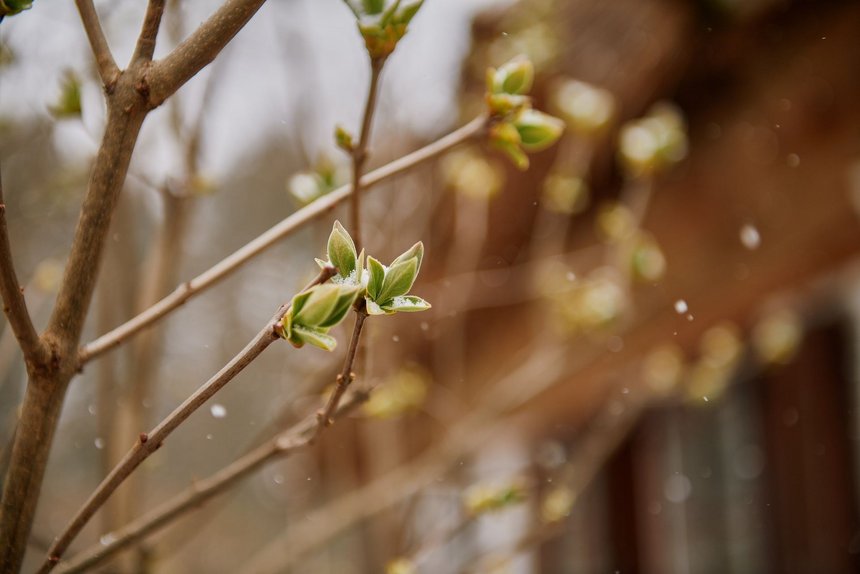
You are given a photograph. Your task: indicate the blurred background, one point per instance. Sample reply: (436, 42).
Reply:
(642, 352)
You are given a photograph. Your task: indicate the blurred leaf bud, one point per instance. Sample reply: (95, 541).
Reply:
(777, 337)
(648, 261)
(587, 109)
(663, 369)
(537, 130)
(343, 139)
(557, 504)
(400, 566)
(403, 392)
(68, 104)
(471, 174)
(514, 77)
(615, 222)
(652, 144)
(566, 194)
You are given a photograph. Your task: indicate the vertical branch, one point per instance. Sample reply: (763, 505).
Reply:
(108, 70)
(145, 47)
(48, 382)
(14, 305)
(359, 153)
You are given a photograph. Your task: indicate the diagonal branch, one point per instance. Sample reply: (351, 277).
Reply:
(146, 41)
(230, 264)
(14, 304)
(168, 75)
(282, 445)
(108, 70)
(152, 441)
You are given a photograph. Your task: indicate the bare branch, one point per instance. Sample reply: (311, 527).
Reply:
(148, 443)
(14, 304)
(359, 153)
(282, 445)
(257, 246)
(168, 75)
(149, 31)
(108, 70)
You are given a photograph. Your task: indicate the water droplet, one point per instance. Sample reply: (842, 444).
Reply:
(107, 539)
(209, 436)
(750, 237)
(278, 479)
(218, 411)
(425, 326)
(705, 398)
(681, 307)
(99, 442)
(793, 160)
(91, 409)
(571, 276)
(396, 338)
(677, 488)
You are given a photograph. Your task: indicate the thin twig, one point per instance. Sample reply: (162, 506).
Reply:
(148, 443)
(359, 153)
(14, 304)
(108, 70)
(149, 31)
(267, 239)
(299, 436)
(346, 375)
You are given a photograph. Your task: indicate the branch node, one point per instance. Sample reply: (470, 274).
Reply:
(143, 437)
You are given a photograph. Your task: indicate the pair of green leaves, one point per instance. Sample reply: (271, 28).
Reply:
(517, 127)
(315, 311)
(383, 23)
(385, 288)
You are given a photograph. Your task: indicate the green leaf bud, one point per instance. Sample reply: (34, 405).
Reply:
(341, 250)
(538, 130)
(515, 77)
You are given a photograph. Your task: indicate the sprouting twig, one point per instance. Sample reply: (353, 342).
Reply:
(108, 70)
(346, 375)
(359, 152)
(148, 443)
(282, 445)
(257, 246)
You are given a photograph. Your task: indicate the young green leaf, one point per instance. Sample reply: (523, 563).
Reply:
(406, 304)
(416, 251)
(377, 276)
(398, 280)
(318, 305)
(348, 295)
(341, 250)
(316, 337)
